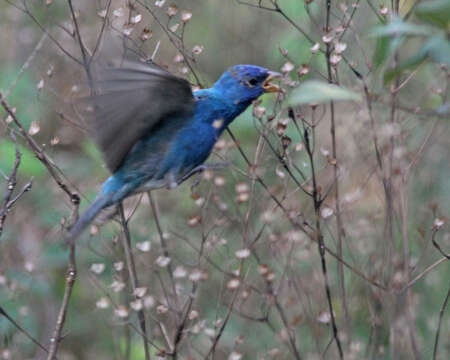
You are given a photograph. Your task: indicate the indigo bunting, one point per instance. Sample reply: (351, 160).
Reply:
(155, 132)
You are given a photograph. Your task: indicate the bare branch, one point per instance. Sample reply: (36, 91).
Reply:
(71, 275)
(54, 171)
(126, 243)
(21, 329)
(438, 330)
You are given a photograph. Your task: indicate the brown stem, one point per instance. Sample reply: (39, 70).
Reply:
(84, 54)
(406, 261)
(21, 329)
(41, 155)
(294, 349)
(10, 185)
(44, 30)
(320, 242)
(423, 273)
(300, 226)
(168, 34)
(438, 330)
(436, 245)
(70, 281)
(340, 227)
(126, 243)
(224, 323)
(164, 247)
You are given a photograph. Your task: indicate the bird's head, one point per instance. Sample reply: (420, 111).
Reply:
(244, 83)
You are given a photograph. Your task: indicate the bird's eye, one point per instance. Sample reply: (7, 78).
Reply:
(253, 82)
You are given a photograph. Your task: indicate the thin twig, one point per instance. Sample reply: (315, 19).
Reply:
(438, 330)
(102, 31)
(406, 261)
(340, 227)
(26, 65)
(21, 329)
(164, 247)
(126, 243)
(41, 155)
(224, 323)
(299, 226)
(320, 242)
(10, 186)
(436, 245)
(422, 274)
(169, 36)
(285, 322)
(283, 162)
(71, 275)
(44, 30)
(84, 55)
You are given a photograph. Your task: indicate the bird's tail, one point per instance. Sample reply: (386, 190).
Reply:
(87, 217)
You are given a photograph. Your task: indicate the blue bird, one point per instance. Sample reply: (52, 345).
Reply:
(155, 132)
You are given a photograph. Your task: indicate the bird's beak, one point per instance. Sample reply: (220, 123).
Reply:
(267, 86)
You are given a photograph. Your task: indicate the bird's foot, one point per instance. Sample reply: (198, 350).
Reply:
(214, 166)
(199, 170)
(171, 182)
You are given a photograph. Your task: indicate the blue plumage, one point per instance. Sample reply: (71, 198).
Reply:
(154, 131)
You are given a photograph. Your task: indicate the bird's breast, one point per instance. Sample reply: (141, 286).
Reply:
(195, 143)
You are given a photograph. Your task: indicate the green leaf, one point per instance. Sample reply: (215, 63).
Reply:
(381, 51)
(410, 63)
(384, 48)
(436, 12)
(437, 48)
(316, 92)
(398, 27)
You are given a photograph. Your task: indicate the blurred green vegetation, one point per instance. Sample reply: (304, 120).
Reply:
(385, 49)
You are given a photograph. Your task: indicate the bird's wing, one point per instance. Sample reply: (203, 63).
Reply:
(129, 101)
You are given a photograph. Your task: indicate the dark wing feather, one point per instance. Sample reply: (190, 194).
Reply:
(129, 101)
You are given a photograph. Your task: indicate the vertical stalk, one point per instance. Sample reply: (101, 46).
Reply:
(126, 242)
(340, 228)
(165, 248)
(70, 281)
(320, 243)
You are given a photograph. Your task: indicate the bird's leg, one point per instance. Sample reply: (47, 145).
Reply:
(199, 169)
(171, 182)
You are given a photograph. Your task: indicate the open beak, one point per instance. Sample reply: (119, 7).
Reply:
(267, 86)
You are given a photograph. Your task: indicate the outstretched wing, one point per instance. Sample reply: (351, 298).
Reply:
(129, 102)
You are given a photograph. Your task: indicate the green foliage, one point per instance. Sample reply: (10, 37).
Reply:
(318, 92)
(398, 27)
(436, 12)
(30, 166)
(384, 48)
(393, 37)
(436, 48)
(232, 33)
(23, 92)
(92, 150)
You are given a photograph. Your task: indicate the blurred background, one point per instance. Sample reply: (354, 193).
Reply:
(224, 260)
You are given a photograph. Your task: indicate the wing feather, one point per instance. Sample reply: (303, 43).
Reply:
(129, 102)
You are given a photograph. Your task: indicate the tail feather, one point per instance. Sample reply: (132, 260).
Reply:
(87, 217)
